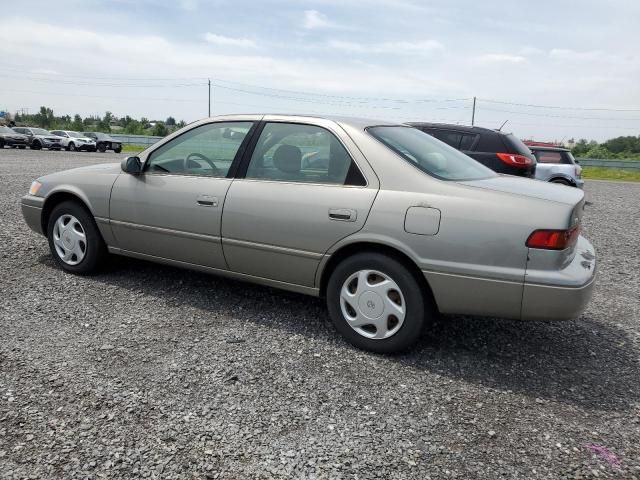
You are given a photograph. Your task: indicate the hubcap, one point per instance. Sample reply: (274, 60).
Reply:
(69, 239)
(372, 304)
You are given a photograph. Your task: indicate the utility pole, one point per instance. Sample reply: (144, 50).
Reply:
(473, 112)
(209, 98)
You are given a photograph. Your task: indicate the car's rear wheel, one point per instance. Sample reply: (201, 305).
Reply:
(36, 145)
(561, 181)
(376, 303)
(71, 147)
(74, 238)
(117, 149)
(1, 143)
(102, 147)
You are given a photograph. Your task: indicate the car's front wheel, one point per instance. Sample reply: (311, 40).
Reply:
(102, 147)
(74, 238)
(377, 303)
(36, 145)
(117, 149)
(71, 147)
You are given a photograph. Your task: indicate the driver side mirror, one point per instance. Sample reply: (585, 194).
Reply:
(131, 165)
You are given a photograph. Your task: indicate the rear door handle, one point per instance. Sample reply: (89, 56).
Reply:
(207, 201)
(343, 214)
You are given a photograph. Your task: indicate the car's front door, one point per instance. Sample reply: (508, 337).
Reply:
(301, 193)
(173, 208)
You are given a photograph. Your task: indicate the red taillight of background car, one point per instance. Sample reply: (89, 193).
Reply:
(553, 239)
(515, 160)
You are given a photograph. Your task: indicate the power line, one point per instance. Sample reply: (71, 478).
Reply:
(558, 107)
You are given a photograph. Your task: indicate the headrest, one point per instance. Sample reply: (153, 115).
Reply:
(287, 158)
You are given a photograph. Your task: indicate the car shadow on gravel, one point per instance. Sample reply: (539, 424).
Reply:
(587, 362)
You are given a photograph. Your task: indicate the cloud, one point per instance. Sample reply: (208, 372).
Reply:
(229, 41)
(313, 20)
(500, 58)
(189, 5)
(400, 47)
(568, 54)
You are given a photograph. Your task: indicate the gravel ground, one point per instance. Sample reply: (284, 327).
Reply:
(150, 371)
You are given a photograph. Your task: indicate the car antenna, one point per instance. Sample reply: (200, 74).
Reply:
(503, 124)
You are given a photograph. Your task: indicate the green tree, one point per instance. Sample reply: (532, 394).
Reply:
(77, 124)
(159, 130)
(170, 122)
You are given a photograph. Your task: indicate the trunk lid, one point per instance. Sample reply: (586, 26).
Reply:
(530, 188)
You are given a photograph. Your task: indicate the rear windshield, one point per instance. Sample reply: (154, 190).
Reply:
(517, 145)
(430, 155)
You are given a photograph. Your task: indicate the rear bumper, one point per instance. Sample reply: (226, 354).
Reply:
(566, 293)
(32, 212)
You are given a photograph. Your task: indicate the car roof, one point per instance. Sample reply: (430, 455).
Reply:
(460, 128)
(356, 122)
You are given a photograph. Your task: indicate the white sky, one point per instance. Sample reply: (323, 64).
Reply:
(389, 59)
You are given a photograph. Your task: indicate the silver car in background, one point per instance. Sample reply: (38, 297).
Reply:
(557, 165)
(387, 223)
(73, 141)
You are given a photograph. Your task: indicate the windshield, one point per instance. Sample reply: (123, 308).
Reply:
(6, 130)
(430, 155)
(40, 131)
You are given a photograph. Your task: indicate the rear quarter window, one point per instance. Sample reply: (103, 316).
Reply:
(516, 145)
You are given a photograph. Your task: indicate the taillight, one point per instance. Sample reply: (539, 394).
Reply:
(515, 160)
(553, 239)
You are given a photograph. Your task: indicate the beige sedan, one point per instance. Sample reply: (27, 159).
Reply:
(389, 224)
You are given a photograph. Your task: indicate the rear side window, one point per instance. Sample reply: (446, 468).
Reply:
(449, 137)
(467, 141)
(291, 152)
(550, 156)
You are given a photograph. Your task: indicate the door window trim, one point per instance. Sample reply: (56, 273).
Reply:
(243, 167)
(234, 163)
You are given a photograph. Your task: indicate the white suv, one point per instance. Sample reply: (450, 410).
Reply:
(73, 141)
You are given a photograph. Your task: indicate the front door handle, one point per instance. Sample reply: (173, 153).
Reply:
(343, 214)
(207, 201)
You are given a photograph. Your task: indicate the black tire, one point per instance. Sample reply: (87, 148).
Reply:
(561, 181)
(102, 147)
(117, 149)
(71, 147)
(22, 147)
(36, 145)
(1, 143)
(417, 302)
(95, 248)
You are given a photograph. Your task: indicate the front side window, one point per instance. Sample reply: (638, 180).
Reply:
(207, 150)
(429, 155)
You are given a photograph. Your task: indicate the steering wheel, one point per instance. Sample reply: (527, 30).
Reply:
(201, 157)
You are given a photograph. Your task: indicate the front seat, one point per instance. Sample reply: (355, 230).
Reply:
(287, 160)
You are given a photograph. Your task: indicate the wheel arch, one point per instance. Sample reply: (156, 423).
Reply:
(56, 198)
(361, 246)
(561, 176)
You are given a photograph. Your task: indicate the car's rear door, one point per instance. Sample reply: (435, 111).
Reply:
(301, 190)
(173, 209)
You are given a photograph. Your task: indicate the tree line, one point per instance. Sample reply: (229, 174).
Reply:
(107, 123)
(625, 147)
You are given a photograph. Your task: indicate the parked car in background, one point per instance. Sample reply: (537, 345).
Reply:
(40, 138)
(501, 152)
(104, 142)
(388, 224)
(73, 141)
(11, 138)
(557, 165)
